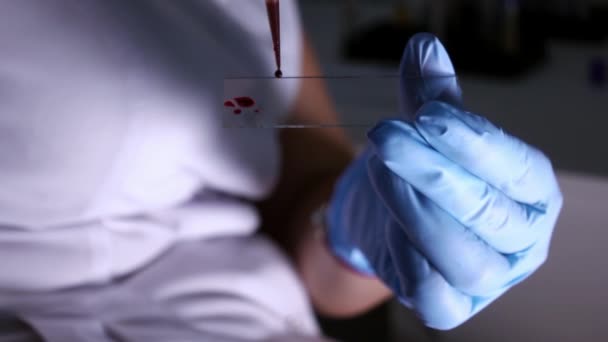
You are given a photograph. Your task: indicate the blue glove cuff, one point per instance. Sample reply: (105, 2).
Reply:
(351, 256)
(337, 230)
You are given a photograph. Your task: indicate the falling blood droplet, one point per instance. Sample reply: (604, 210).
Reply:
(245, 102)
(257, 110)
(237, 111)
(278, 73)
(229, 104)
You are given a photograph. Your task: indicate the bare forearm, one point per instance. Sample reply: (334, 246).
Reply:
(335, 289)
(313, 160)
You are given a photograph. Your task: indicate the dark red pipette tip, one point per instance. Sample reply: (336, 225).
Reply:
(274, 19)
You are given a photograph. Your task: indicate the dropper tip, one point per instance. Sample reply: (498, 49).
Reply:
(278, 73)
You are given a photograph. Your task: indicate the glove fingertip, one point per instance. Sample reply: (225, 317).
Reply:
(425, 56)
(427, 74)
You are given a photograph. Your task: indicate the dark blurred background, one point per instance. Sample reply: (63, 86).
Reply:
(535, 67)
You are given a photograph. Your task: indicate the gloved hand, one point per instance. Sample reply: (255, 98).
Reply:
(444, 207)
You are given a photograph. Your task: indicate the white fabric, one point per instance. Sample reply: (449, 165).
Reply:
(188, 295)
(117, 178)
(111, 145)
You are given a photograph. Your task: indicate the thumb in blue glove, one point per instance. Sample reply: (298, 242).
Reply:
(444, 207)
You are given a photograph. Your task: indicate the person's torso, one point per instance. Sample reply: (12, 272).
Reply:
(111, 132)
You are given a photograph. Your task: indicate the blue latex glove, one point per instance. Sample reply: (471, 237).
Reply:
(445, 208)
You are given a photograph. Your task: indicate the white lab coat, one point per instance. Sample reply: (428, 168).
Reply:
(113, 157)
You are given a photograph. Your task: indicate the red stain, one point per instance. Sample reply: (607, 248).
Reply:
(245, 102)
(241, 102)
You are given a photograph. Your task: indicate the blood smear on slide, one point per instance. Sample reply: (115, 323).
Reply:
(240, 103)
(361, 101)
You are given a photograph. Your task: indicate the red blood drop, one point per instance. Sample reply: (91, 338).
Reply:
(278, 73)
(237, 111)
(229, 104)
(245, 102)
